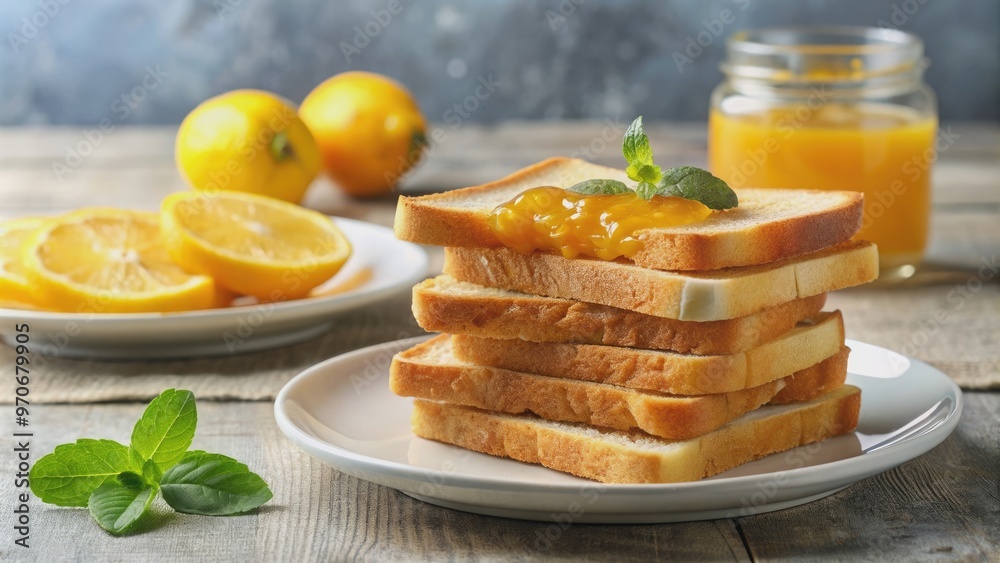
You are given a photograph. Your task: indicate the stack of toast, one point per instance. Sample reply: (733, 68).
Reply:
(706, 350)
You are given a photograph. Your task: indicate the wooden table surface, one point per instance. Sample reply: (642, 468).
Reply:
(944, 505)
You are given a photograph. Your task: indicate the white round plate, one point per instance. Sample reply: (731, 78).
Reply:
(342, 413)
(379, 267)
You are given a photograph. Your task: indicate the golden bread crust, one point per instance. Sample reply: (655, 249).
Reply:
(428, 371)
(663, 372)
(691, 296)
(443, 304)
(617, 457)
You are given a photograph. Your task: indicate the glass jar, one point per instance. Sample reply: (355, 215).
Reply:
(837, 108)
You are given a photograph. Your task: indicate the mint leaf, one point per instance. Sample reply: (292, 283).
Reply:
(117, 507)
(645, 190)
(599, 186)
(68, 475)
(694, 183)
(151, 472)
(635, 146)
(213, 484)
(166, 428)
(131, 480)
(649, 173)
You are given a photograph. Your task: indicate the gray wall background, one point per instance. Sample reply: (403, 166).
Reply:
(151, 61)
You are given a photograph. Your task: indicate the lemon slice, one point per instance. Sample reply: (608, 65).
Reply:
(14, 284)
(251, 244)
(20, 305)
(110, 261)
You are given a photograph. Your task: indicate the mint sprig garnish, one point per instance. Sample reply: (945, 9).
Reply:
(118, 483)
(688, 182)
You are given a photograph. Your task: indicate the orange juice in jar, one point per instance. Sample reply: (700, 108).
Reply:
(833, 108)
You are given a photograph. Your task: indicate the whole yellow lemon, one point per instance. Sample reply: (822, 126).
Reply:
(369, 129)
(247, 141)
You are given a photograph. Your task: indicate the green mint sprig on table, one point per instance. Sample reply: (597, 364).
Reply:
(687, 182)
(118, 483)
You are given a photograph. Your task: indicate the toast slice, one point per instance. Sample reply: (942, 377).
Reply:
(767, 225)
(444, 304)
(687, 296)
(430, 371)
(634, 457)
(658, 371)
(809, 383)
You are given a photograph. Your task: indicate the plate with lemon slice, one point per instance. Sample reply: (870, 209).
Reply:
(214, 273)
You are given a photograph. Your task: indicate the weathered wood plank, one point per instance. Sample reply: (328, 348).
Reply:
(42, 145)
(944, 505)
